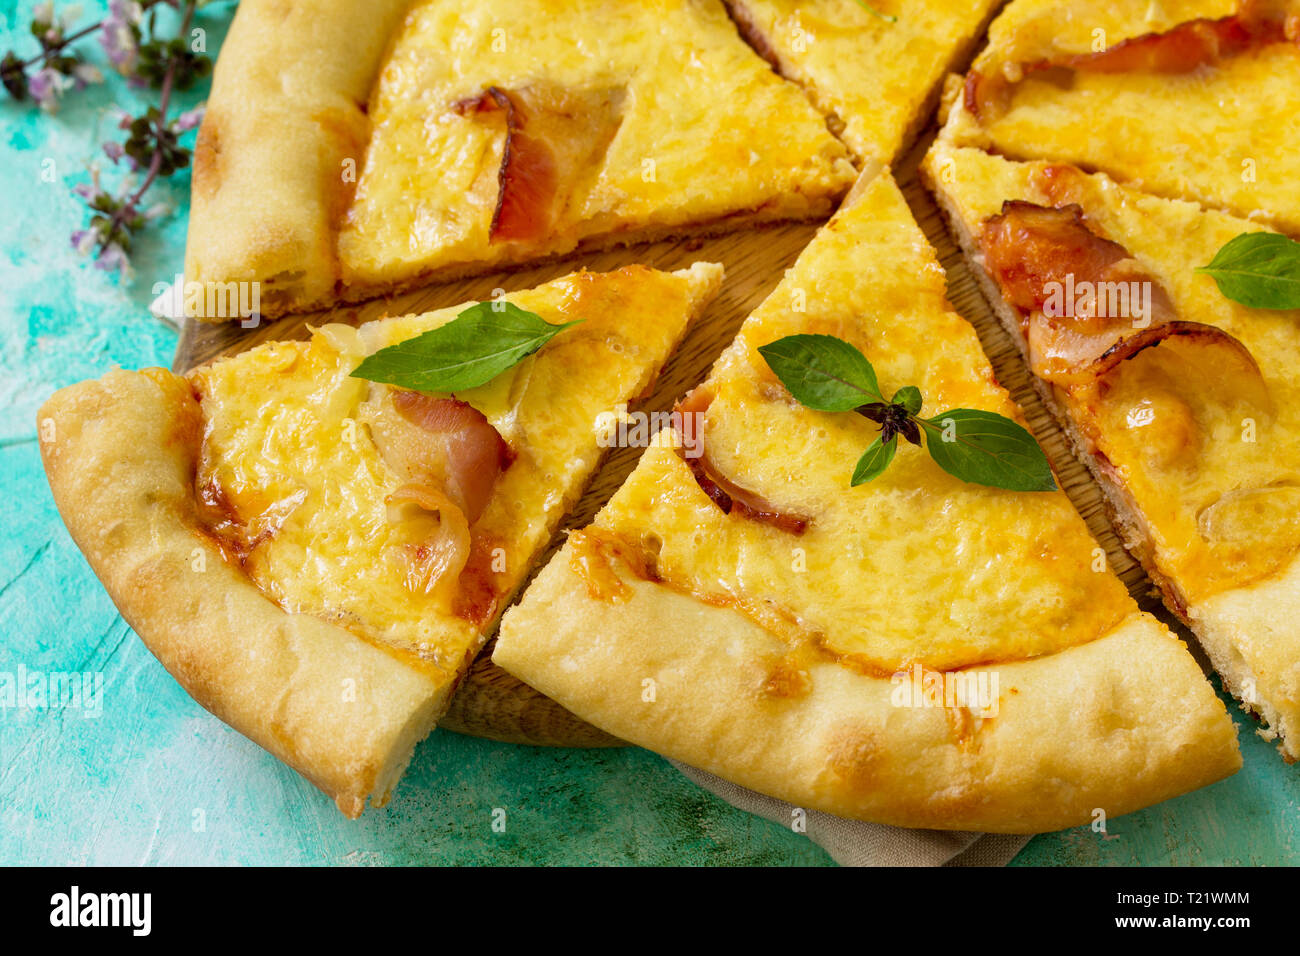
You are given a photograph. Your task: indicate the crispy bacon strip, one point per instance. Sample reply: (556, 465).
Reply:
(553, 137)
(1030, 248)
(722, 491)
(1186, 47)
(455, 447)
(1027, 246)
(1221, 357)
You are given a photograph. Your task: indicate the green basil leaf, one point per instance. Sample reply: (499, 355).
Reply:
(822, 372)
(909, 396)
(987, 449)
(1258, 269)
(469, 351)
(874, 461)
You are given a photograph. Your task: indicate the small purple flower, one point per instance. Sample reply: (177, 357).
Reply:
(189, 119)
(114, 257)
(83, 240)
(117, 34)
(113, 150)
(45, 86)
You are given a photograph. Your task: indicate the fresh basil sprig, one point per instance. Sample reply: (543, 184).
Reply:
(830, 375)
(1258, 269)
(470, 350)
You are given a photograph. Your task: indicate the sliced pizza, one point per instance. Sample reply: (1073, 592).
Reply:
(1189, 99)
(889, 641)
(350, 150)
(872, 66)
(317, 556)
(1183, 403)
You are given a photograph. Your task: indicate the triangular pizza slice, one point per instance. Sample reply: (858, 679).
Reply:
(1183, 402)
(352, 150)
(1188, 99)
(316, 556)
(872, 66)
(915, 650)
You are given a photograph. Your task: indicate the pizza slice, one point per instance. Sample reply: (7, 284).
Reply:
(350, 150)
(872, 66)
(1183, 403)
(909, 648)
(1193, 99)
(316, 556)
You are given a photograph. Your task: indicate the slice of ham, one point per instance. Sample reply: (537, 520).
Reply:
(449, 457)
(440, 442)
(1186, 47)
(730, 497)
(1027, 248)
(554, 141)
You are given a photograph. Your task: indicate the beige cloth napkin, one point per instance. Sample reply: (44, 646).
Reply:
(855, 843)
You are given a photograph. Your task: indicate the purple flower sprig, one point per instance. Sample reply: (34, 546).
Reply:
(152, 146)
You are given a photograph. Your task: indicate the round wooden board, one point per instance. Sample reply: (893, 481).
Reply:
(491, 703)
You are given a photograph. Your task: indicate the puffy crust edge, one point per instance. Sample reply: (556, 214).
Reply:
(1117, 724)
(288, 106)
(119, 453)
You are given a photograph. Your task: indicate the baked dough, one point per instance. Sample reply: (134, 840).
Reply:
(875, 80)
(785, 661)
(1202, 477)
(248, 520)
(350, 150)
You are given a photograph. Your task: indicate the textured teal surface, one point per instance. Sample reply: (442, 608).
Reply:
(155, 779)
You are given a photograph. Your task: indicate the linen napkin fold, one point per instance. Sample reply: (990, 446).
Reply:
(856, 843)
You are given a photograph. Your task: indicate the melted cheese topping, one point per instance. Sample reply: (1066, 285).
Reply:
(1216, 478)
(873, 77)
(1146, 128)
(916, 566)
(293, 476)
(707, 130)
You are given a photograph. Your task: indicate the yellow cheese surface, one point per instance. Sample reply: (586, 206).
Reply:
(1216, 478)
(915, 566)
(872, 76)
(288, 454)
(707, 130)
(1221, 135)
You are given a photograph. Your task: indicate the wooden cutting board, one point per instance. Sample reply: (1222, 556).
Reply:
(491, 703)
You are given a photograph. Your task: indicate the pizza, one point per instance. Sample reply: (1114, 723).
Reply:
(1193, 99)
(1183, 403)
(351, 150)
(316, 556)
(916, 650)
(874, 68)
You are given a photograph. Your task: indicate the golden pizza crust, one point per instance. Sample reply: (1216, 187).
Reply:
(120, 458)
(1114, 725)
(286, 111)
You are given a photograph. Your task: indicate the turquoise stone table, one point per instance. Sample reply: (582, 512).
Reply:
(153, 779)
